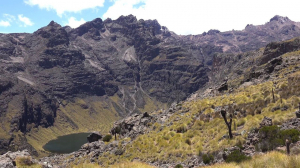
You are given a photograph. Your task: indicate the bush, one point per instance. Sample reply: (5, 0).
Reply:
(182, 129)
(188, 141)
(291, 134)
(207, 158)
(236, 156)
(107, 138)
(272, 137)
(178, 166)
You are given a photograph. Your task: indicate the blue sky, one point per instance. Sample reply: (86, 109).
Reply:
(12, 12)
(180, 16)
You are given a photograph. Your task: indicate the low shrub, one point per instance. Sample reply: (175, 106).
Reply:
(272, 137)
(236, 156)
(107, 138)
(178, 166)
(182, 129)
(207, 158)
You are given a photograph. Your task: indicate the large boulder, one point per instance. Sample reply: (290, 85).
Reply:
(95, 136)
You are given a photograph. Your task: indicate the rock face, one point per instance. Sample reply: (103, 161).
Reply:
(128, 60)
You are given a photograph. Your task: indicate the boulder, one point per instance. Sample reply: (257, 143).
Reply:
(266, 122)
(223, 87)
(95, 136)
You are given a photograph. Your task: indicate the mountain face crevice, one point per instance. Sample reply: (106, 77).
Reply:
(116, 67)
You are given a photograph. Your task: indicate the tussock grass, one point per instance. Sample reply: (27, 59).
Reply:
(131, 165)
(269, 160)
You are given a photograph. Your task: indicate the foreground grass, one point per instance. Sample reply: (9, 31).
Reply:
(119, 165)
(269, 160)
(131, 165)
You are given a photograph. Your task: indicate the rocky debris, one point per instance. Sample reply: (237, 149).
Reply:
(251, 141)
(8, 160)
(137, 124)
(133, 125)
(265, 122)
(254, 138)
(95, 136)
(293, 123)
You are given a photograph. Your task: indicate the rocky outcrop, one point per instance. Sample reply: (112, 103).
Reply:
(8, 160)
(293, 123)
(95, 136)
(265, 122)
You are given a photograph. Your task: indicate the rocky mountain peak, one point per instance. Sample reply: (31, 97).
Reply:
(126, 19)
(53, 24)
(96, 24)
(280, 19)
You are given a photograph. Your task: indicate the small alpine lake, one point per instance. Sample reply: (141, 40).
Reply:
(67, 143)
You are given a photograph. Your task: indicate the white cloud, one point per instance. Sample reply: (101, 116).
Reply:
(4, 23)
(197, 16)
(72, 22)
(9, 18)
(25, 20)
(62, 6)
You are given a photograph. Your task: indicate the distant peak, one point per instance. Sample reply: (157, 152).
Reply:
(54, 24)
(129, 18)
(280, 19)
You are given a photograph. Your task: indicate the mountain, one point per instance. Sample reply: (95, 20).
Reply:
(60, 80)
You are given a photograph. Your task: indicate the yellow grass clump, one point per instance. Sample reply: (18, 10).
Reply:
(269, 160)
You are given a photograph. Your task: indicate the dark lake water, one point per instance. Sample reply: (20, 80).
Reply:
(66, 144)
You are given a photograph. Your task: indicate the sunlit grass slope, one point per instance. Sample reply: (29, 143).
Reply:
(199, 128)
(269, 160)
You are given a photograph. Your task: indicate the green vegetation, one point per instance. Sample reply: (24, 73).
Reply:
(272, 137)
(207, 158)
(178, 166)
(107, 138)
(236, 156)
